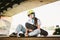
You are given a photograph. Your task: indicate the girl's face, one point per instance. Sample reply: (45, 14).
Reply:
(31, 16)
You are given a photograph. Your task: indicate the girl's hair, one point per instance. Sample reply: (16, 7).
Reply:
(31, 13)
(35, 19)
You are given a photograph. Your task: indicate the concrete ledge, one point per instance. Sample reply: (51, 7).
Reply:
(31, 38)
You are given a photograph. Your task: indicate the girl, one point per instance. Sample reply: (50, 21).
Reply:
(33, 25)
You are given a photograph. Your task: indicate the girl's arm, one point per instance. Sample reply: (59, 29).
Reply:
(26, 33)
(38, 24)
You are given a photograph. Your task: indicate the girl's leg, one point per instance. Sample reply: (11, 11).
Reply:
(35, 32)
(20, 30)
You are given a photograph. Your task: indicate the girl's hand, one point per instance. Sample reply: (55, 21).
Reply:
(30, 30)
(26, 35)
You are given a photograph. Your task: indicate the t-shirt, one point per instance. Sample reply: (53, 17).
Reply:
(31, 21)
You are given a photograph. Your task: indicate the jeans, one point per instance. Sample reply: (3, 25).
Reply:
(20, 29)
(34, 32)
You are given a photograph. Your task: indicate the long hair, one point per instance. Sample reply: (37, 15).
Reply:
(35, 20)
